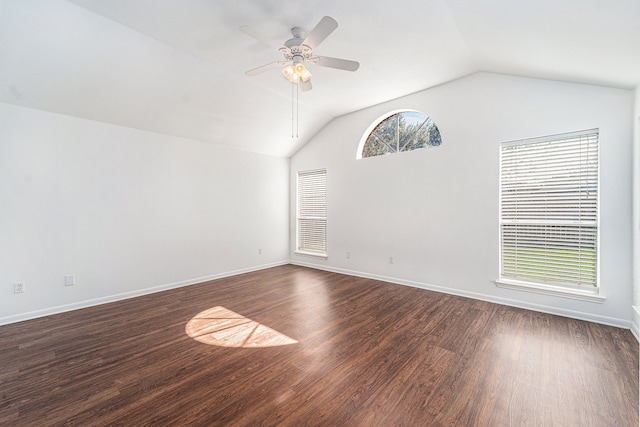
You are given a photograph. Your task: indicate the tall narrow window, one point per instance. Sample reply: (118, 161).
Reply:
(312, 212)
(549, 210)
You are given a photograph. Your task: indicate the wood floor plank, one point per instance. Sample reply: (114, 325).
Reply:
(366, 353)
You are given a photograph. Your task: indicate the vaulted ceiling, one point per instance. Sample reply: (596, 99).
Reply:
(177, 66)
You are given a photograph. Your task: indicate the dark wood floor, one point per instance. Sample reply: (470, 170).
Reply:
(368, 353)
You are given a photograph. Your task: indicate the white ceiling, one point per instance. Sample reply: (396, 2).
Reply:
(177, 66)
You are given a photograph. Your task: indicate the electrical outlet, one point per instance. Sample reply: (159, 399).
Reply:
(390, 260)
(18, 288)
(69, 280)
(259, 251)
(348, 255)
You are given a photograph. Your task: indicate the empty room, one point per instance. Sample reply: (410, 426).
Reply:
(319, 213)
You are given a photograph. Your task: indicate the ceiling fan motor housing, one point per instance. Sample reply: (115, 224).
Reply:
(294, 49)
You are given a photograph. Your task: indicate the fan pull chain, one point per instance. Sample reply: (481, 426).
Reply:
(295, 110)
(292, 110)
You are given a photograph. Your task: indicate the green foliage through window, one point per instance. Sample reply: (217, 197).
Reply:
(405, 131)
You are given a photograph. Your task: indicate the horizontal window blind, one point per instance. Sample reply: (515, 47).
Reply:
(312, 211)
(549, 208)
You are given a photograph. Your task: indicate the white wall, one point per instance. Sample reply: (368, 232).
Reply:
(435, 211)
(126, 211)
(636, 216)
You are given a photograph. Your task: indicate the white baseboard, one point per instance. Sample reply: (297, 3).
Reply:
(126, 295)
(605, 320)
(635, 323)
(621, 323)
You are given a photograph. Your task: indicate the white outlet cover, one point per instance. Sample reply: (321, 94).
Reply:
(69, 280)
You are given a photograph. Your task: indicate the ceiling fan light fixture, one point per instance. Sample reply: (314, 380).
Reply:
(304, 75)
(289, 73)
(298, 50)
(296, 73)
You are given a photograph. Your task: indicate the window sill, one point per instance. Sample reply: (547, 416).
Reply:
(582, 295)
(313, 254)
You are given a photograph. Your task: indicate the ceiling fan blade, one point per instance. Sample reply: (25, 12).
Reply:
(253, 33)
(263, 68)
(305, 86)
(320, 32)
(340, 64)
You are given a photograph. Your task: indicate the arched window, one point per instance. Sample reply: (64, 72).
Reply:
(399, 131)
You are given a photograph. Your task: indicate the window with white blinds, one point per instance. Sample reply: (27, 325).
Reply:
(549, 210)
(312, 212)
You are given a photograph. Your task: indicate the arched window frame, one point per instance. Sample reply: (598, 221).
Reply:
(375, 124)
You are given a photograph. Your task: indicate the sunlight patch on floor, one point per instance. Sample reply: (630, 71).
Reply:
(225, 328)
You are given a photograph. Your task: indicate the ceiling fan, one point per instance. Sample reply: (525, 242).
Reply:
(298, 51)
